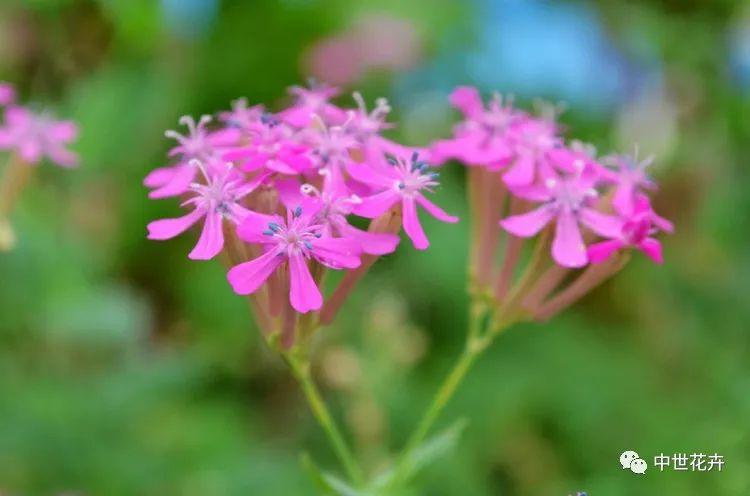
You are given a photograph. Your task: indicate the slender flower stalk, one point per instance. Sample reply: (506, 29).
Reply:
(14, 178)
(301, 370)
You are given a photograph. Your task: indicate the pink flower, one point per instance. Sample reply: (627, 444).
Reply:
(629, 177)
(333, 204)
(200, 145)
(331, 146)
(292, 243)
(34, 136)
(241, 116)
(273, 146)
(312, 101)
(483, 138)
(636, 231)
(365, 125)
(569, 200)
(7, 94)
(532, 139)
(214, 201)
(404, 182)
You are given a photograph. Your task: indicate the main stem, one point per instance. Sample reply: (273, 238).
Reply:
(477, 342)
(301, 371)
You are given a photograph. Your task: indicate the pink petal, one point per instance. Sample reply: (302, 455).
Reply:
(623, 200)
(599, 252)
(652, 248)
(247, 277)
(211, 241)
(521, 173)
(567, 248)
(6, 139)
(30, 151)
(62, 157)
(304, 294)
(376, 205)
(235, 154)
(368, 174)
(277, 165)
(16, 116)
(289, 192)
(662, 223)
(169, 228)
(158, 177)
(296, 161)
(372, 243)
(7, 94)
(436, 211)
(528, 224)
(337, 253)
(444, 150)
(252, 227)
(225, 137)
(604, 225)
(64, 131)
(177, 185)
(467, 100)
(412, 226)
(255, 162)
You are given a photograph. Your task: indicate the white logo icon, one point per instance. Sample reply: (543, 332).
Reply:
(631, 460)
(638, 466)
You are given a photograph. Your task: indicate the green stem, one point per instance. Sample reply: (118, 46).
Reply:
(476, 344)
(301, 371)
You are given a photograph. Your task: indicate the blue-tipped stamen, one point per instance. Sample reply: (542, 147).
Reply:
(274, 227)
(297, 212)
(391, 160)
(269, 120)
(415, 157)
(308, 245)
(268, 232)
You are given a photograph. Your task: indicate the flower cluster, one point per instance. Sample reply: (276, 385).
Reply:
(527, 180)
(277, 194)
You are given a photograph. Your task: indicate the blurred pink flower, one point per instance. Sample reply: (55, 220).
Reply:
(483, 138)
(629, 177)
(376, 41)
(310, 102)
(34, 136)
(636, 231)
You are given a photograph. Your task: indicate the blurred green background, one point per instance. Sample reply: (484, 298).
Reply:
(127, 369)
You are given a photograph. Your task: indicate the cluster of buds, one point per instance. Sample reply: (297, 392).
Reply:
(526, 181)
(29, 136)
(276, 195)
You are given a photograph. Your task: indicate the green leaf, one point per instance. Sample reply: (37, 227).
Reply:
(316, 475)
(325, 482)
(430, 450)
(437, 446)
